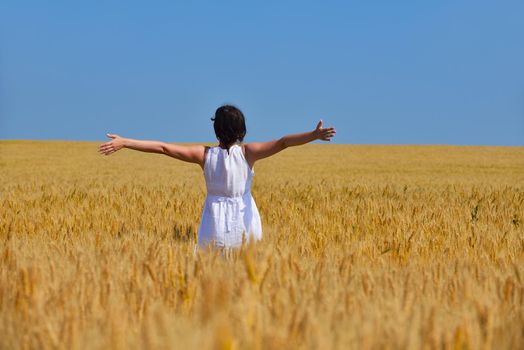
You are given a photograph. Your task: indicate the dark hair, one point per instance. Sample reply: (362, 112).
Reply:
(229, 124)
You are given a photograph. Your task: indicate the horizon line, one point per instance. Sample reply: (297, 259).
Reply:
(323, 143)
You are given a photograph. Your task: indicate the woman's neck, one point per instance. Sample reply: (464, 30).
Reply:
(221, 145)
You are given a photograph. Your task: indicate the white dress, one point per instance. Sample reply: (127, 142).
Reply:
(229, 210)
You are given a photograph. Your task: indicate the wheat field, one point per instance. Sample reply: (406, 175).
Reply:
(365, 247)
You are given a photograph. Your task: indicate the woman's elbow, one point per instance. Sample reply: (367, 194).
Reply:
(163, 148)
(282, 143)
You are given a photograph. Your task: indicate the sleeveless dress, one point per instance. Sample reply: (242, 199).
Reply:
(229, 210)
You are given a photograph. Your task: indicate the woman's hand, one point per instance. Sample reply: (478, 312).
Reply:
(324, 134)
(112, 146)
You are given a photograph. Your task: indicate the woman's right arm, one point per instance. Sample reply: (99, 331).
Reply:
(191, 154)
(260, 150)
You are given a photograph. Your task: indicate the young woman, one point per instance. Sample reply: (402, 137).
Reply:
(230, 212)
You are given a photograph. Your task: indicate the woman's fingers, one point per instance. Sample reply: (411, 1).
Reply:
(109, 144)
(107, 148)
(328, 133)
(105, 151)
(325, 134)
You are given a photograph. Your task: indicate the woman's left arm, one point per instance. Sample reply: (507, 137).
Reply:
(191, 154)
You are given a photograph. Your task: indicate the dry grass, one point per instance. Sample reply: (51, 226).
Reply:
(364, 247)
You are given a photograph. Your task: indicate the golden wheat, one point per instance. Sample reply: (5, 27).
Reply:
(364, 247)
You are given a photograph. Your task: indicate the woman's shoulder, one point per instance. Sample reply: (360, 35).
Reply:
(213, 149)
(242, 149)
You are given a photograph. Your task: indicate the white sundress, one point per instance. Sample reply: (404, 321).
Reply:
(229, 210)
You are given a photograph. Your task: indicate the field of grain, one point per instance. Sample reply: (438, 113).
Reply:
(364, 247)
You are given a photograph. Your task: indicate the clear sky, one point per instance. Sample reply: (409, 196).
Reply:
(385, 72)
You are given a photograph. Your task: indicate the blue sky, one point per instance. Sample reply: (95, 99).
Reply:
(384, 72)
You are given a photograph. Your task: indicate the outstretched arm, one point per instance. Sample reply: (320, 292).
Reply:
(191, 154)
(260, 150)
